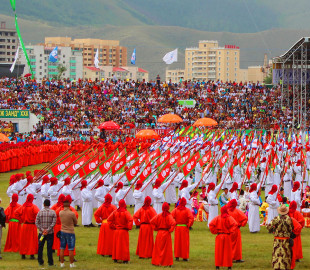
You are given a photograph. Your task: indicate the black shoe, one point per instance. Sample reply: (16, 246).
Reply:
(0, 257)
(297, 260)
(217, 267)
(177, 259)
(115, 261)
(239, 261)
(76, 225)
(91, 225)
(42, 263)
(86, 226)
(78, 208)
(137, 227)
(126, 262)
(74, 260)
(23, 257)
(229, 268)
(185, 260)
(32, 257)
(110, 256)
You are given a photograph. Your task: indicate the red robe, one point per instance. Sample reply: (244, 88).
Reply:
(184, 220)
(145, 245)
(13, 237)
(162, 251)
(296, 231)
(106, 234)
(121, 223)
(297, 248)
(223, 227)
(28, 234)
(242, 220)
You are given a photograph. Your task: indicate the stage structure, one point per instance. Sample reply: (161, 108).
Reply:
(292, 71)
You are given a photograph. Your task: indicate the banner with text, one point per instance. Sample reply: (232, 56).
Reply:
(14, 114)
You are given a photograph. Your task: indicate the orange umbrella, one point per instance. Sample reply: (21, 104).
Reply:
(4, 138)
(170, 118)
(206, 122)
(147, 134)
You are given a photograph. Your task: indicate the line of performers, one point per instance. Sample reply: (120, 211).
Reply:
(151, 213)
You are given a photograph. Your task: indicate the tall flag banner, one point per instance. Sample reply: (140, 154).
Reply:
(146, 172)
(171, 57)
(96, 60)
(249, 169)
(183, 159)
(190, 165)
(163, 158)
(133, 155)
(119, 165)
(205, 158)
(53, 55)
(90, 167)
(23, 45)
(105, 166)
(164, 173)
(15, 60)
(133, 57)
(61, 166)
(223, 160)
(257, 159)
(242, 159)
(133, 171)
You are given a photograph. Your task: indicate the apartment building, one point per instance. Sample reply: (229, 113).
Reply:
(8, 44)
(175, 75)
(209, 61)
(110, 52)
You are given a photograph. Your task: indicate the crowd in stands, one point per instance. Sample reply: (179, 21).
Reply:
(71, 109)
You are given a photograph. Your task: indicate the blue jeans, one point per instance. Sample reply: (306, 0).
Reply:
(67, 239)
(50, 240)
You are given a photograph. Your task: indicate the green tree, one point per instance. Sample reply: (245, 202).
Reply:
(268, 79)
(61, 69)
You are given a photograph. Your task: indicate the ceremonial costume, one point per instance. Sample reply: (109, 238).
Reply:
(184, 220)
(241, 220)
(106, 234)
(164, 224)
(101, 192)
(13, 237)
(143, 219)
(158, 194)
(27, 214)
(121, 221)
(254, 221)
(223, 225)
(287, 182)
(273, 204)
(184, 192)
(213, 209)
(87, 207)
(295, 194)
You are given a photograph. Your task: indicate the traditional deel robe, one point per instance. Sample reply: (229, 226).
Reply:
(106, 234)
(184, 220)
(223, 225)
(164, 224)
(143, 219)
(121, 222)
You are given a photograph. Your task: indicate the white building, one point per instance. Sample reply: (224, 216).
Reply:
(38, 55)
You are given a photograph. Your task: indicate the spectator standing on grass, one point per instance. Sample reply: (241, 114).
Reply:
(67, 235)
(45, 222)
(2, 224)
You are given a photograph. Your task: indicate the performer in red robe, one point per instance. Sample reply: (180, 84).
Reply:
(13, 237)
(27, 214)
(164, 224)
(56, 243)
(297, 230)
(143, 218)
(184, 220)
(121, 221)
(293, 213)
(106, 234)
(223, 225)
(242, 220)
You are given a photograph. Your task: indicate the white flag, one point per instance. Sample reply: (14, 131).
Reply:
(171, 57)
(15, 59)
(96, 61)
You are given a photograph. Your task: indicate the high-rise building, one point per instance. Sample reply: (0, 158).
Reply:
(110, 52)
(209, 61)
(38, 55)
(174, 75)
(8, 44)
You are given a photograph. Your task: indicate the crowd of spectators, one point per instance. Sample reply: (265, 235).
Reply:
(76, 109)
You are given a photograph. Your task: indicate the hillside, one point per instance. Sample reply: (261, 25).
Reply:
(239, 16)
(152, 42)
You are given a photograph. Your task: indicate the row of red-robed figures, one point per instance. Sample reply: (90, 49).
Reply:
(116, 222)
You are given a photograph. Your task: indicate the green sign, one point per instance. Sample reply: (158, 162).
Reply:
(14, 113)
(189, 103)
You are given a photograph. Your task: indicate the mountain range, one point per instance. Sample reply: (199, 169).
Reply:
(155, 27)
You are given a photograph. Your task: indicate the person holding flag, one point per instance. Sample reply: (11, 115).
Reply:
(158, 194)
(273, 203)
(296, 194)
(87, 206)
(254, 204)
(184, 192)
(101, 192)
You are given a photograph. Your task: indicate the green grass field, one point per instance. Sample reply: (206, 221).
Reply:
(257, 248)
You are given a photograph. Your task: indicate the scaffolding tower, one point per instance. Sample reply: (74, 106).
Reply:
(291, 71)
